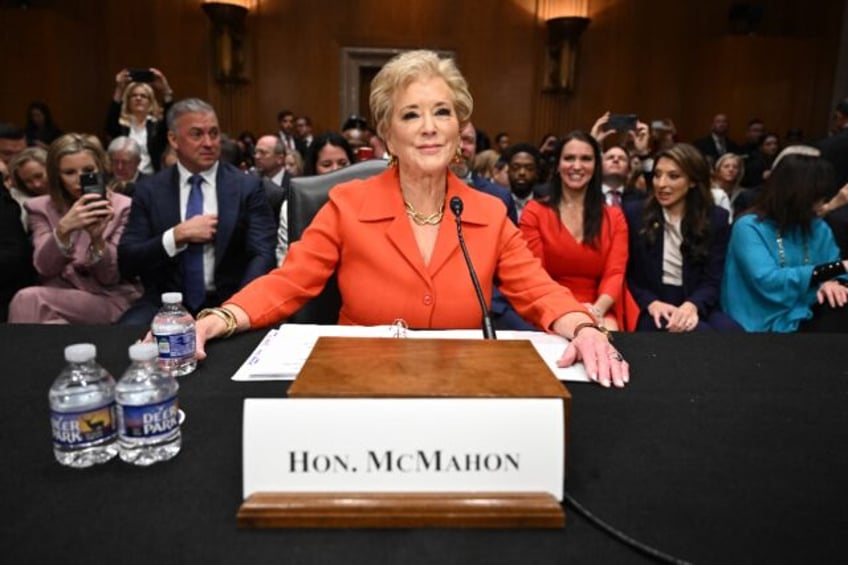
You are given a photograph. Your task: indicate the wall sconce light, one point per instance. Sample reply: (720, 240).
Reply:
(561, 61)
(228, 39)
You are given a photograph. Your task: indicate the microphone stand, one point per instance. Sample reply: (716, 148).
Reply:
(488, 325)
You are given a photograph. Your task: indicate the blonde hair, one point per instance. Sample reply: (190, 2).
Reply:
(408, 67)
(155, 111)
(739, 162)
(36, 154)
(484, 163)
(298, 160)
(71, 144)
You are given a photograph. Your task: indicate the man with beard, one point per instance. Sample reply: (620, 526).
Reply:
(524, 169)
(463, 169)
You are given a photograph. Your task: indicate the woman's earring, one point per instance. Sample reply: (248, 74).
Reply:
(458, 159)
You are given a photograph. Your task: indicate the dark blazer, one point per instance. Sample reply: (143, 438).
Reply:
(835, 150)
(277, 194)
(487, 186)
(707, 146)
(701, 282)
(16, 267)
(157, 132)
(244, 241)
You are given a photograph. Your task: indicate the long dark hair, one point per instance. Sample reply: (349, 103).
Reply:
(326, 138)
(593, 204)
(792, 190)
(695, 225)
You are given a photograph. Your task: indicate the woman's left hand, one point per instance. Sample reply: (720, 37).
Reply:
(835, 294)
(641, 138)
(683, 319)
(604, 364)
(160, 83)
(95, 230)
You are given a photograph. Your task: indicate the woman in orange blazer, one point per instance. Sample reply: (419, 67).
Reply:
(395, 257)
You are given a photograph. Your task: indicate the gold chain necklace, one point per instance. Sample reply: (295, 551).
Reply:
(433, 219)
(781, 254)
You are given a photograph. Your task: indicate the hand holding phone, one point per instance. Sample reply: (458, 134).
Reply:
(92, 183)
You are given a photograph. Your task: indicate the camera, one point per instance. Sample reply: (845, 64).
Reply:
(141, 75)
(92, 183)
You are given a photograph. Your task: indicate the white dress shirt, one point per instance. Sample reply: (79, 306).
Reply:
(210, 207)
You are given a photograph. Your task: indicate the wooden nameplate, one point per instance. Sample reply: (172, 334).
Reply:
(341, 367)
(401, 510)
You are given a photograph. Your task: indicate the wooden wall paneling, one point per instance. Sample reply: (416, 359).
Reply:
(653, 57)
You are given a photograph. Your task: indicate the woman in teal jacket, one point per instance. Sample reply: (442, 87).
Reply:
(783, 272)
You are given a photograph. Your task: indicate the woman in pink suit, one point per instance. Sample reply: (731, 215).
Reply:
(75, 237)
(583, 243)
(393, 244)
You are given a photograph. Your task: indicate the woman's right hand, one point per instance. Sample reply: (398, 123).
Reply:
(122, 79)
(88, 210)
(661, 311)
(598, 129)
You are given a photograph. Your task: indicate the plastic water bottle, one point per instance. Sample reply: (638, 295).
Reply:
(148, 416)
(82, 410)
(173, 331)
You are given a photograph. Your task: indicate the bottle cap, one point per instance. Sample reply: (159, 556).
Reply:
(143, 351)
(172, 298)
(80, 352)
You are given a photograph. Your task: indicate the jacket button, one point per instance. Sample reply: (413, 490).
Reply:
(428, 299)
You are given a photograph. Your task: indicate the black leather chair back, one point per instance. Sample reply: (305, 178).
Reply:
(306, 197)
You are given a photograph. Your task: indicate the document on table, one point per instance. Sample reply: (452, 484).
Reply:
(283, 351)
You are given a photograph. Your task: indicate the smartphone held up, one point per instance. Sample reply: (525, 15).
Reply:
(622, 122)
(92, 183)
(141, 75)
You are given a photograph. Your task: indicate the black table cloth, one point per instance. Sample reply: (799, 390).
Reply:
(723, 449)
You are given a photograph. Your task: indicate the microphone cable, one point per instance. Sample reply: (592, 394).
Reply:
(645, 549)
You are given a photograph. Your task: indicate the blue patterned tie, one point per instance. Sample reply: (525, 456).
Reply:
(194, 287)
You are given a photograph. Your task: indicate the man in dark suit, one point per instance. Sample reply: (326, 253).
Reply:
(835, 147)
(504, 314)
(288, 134)
(269, 158)
(717, 143)
(16, 268)
(835, 150)
(125, 157)
(464, 169)
(201, 227)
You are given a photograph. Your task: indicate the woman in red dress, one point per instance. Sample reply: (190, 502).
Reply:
(581, 242)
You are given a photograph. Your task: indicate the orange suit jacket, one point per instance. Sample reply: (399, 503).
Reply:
(363, 233)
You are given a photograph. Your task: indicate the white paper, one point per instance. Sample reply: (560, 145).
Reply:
(404, 445)
(283, 352)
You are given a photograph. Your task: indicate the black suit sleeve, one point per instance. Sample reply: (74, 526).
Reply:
(261, 234)
(113, 127)
(141, 249)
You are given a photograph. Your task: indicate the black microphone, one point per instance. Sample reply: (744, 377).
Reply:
(488, 326)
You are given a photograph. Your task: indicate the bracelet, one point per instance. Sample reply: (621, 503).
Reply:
(582, 326)
(95, 254)
(228, 317)
(827, 271)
